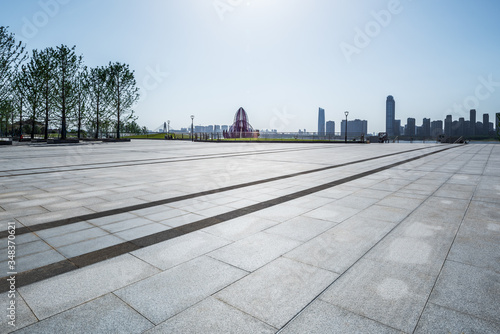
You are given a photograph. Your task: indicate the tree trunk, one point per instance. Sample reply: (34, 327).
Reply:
(79, 116)
(46, 131)
(118, 111)
(97, 119)
(21, 121)
(33, 122)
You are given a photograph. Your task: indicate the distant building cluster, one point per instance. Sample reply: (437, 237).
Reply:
(433, 129)
(393, 127)
(355, 128)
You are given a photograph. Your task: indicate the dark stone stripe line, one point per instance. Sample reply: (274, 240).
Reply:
(112, 212)
(142, 161)
(100, 255)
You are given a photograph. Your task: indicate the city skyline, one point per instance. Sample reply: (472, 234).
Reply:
(280, 59)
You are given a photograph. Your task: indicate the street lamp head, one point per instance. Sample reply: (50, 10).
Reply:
(346, 113)
(192, 117)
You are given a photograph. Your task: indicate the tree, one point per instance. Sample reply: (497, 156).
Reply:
(18, 87)
(33, 84)
(45, 63)
(123, 92)
(11, 56)
(66, 67)
(82, 94)
(97, 81)
(6, 114)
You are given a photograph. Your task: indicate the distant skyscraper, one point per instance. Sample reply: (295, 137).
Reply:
(390, 114)
(486, 124)
(472, 120)
(410, 127)
(321, 122)
(330, 128)
(397, 127)
(436, 128)
(426, 127)
(497, 124)
(467, 128)
(447, 125)
(461, 127)
(355, 128)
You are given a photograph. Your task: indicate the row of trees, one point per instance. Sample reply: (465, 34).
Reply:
(53, 87)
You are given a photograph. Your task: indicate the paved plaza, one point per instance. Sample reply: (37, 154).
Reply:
(182, 237)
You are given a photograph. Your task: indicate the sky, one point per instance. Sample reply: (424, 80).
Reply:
(282, 59)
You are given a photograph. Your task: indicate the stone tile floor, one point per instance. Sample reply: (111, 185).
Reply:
(177, 237)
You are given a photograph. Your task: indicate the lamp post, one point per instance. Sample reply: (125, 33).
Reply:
(168, 127)
(192, 135)
(346, 113)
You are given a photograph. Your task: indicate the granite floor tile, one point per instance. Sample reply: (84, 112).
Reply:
(254, 251)
(65, 229)
(385, 213)
(416, 245)
(90, 245)
(388, 293)
(75, 237)
(60, 293)
(141, 231)
(175, 251)
(477, 244)
(102, 315)
(437, 319)
(165, 214)
(241, 227)
(340, 247)
(23, 315)
(468, 289)
(321, 317)
(331, 212)
(126, 224)
(181, 220)
(46, 217)
(212, 316)
(301, 228)
(33, 261)
(166, 294)
(278, 291)
(112, 219)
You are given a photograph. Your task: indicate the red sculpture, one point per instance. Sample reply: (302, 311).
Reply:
(241, 127)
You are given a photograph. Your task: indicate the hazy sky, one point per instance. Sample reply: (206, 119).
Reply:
(282, 59)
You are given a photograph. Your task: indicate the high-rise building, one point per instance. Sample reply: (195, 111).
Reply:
(410, 127)
(321, 122)
(397, 127)
(472, 120)
(355, 128)
(390, 114)
(467, 128)
(447, 126)
(436, 128)
(426, 127)
(330, 128)
(479, 128)
(454, 128)
(486, 124)
(497, 124)
(461, 127)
